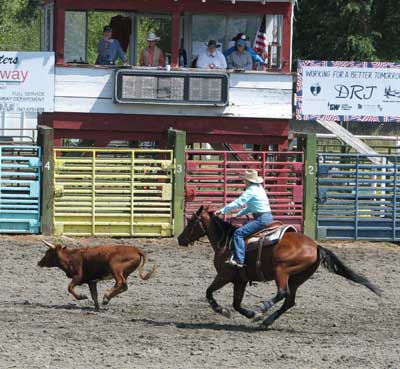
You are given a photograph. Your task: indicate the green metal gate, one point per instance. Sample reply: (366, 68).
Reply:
(118, 192)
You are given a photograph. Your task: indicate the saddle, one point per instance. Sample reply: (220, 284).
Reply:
(268, 236)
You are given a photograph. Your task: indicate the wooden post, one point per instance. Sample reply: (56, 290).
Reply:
(59, 34)
(286, 48)
(176, 19)
(310, 185)
(45, 140)
(177, 142)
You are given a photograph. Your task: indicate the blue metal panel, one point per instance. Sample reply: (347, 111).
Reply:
(20, 175)
(358, 199)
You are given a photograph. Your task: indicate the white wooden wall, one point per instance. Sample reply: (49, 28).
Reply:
(20, 126)
(251, 94)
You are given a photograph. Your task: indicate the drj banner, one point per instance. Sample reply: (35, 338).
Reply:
(348, 91)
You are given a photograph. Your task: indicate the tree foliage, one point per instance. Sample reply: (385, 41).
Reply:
(20, 25)
(365, 30)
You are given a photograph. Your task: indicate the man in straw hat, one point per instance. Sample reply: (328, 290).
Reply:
(257, 203)
(152, 56)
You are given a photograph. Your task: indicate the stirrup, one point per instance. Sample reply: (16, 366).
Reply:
(234, 263)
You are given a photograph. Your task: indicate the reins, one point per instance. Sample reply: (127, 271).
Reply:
(225, 235)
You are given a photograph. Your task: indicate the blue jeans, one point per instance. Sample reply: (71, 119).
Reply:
(246, 230)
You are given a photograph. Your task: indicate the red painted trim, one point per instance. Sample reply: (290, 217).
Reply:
(160, 123)
(170, 6)
(286, 39)
(144, 127)
(59, 33)
(175, 39)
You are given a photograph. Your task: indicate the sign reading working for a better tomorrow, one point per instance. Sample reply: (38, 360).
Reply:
(348, 91)
(26, 81)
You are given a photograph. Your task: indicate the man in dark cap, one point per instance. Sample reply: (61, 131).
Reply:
(109, 49)
(211, 58)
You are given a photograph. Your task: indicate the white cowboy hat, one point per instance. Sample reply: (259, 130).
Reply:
(251, 175)
(152, 37)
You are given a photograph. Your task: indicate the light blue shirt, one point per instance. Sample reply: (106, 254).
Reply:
(254, 197)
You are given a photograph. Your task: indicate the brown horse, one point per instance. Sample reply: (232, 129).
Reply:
(290, 262)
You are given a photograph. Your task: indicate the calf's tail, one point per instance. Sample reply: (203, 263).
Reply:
(142, 275)
(335, 265)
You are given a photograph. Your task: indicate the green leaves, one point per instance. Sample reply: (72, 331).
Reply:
(19, 25)
(365, 30)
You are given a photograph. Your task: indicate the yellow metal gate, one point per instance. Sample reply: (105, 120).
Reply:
(115, 192)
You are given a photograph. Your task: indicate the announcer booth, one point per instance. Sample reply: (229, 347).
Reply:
(106, 103)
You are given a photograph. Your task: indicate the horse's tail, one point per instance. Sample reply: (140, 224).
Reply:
(335, 265)
(142, 275)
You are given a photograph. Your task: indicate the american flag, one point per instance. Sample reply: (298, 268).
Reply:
(260, 42)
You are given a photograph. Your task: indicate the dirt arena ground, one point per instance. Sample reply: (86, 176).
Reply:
(165, 322)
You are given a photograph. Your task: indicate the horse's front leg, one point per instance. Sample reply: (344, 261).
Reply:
(238, 292)
(220, 281)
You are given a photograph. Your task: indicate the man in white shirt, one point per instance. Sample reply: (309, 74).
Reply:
(211, 58)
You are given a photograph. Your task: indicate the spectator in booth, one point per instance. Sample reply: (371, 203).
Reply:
(240, 58)
(109, 49)
(211, 58)
(152, 56)
(256, 59)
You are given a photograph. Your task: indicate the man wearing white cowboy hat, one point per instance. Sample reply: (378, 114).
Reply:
(152, 56)
(257, 203)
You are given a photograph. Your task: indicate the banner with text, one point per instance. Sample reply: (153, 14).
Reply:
(348, 91)
(26, 81)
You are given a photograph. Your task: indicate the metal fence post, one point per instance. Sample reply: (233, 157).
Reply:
(177, 142)
(45, 140)
(310, 185)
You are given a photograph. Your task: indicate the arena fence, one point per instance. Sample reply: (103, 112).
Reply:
(213, 178)
(20, 176)
(113, 192)
(358, 199)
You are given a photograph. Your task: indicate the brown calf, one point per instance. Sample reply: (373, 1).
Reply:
(92, 264)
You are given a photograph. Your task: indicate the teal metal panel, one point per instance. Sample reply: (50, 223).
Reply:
(358, 199)
(20, 174)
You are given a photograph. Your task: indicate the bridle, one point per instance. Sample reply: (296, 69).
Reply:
(193, 228)
(198, 221)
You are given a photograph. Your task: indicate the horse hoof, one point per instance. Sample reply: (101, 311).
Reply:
(105, 301)
(266, 324)
(226, 313)
(257, 317)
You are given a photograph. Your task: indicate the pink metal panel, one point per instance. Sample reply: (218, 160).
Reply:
(213, 179)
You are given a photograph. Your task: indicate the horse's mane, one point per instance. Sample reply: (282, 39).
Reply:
(222, 223)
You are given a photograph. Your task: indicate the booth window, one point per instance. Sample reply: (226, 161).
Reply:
(47, 26)
(75, 42)
(223, 28)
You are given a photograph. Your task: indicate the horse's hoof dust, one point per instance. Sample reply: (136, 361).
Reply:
(226, 313)
(257, 317)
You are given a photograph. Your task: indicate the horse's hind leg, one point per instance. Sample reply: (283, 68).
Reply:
(283, 292)
(294, 282)
(220, 281)
(238, 292)
(287, 304)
